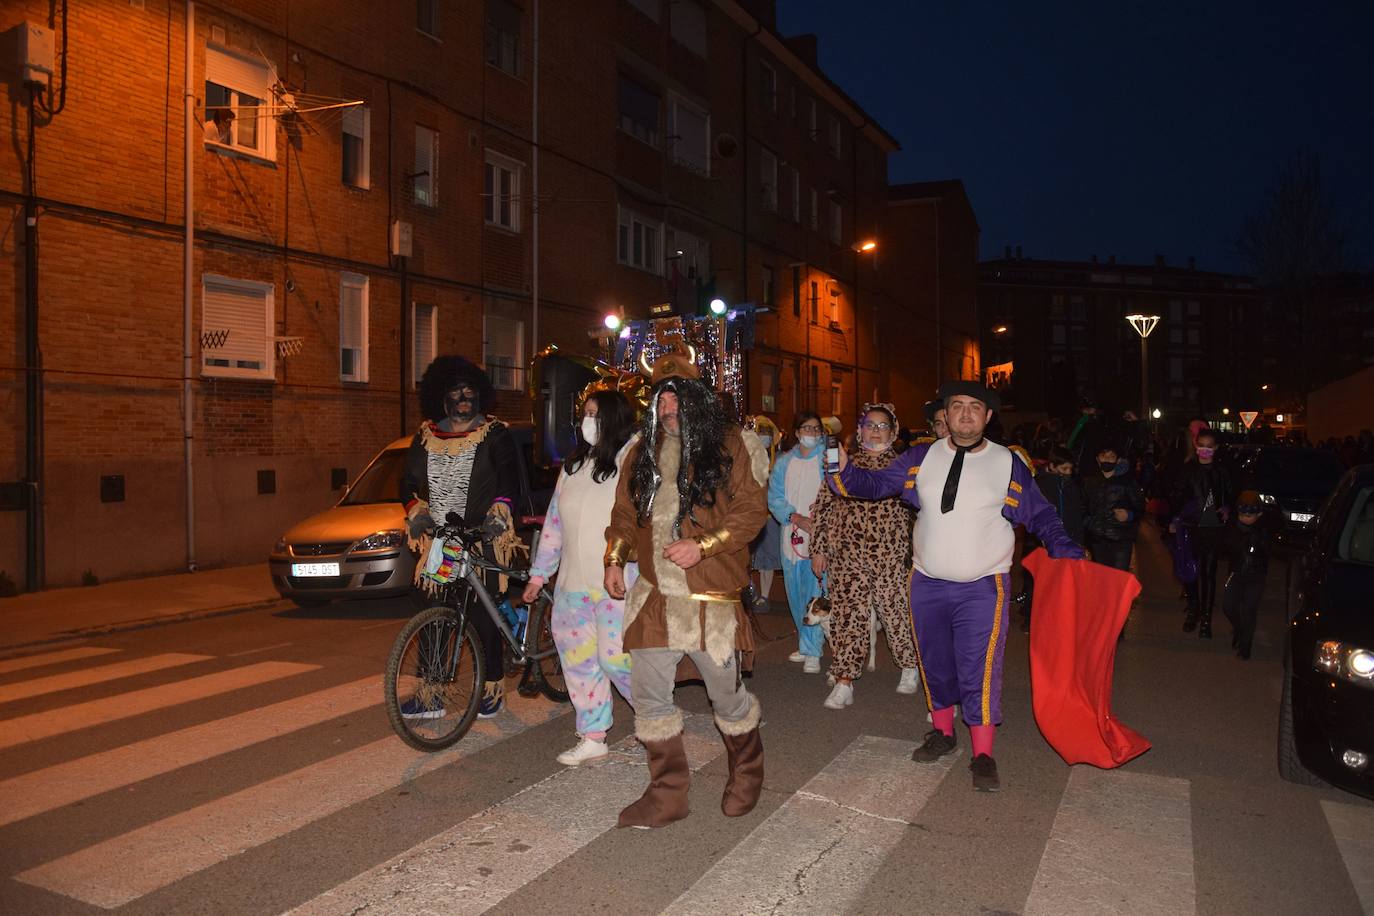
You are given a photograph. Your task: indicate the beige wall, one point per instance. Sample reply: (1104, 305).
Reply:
(1342, 408)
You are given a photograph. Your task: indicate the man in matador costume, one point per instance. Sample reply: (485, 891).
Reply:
(689, 501)
(463, 462)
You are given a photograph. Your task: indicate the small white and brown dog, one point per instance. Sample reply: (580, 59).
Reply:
(818, 614)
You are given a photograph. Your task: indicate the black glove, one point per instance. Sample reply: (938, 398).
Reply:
(493, 527)
(421, 523)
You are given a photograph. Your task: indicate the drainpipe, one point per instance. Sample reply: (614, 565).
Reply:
(33, 381)
(188, 428)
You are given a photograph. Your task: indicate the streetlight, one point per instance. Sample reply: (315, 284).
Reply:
(718, 307)
(1000, 329)
(611, 321)
(1156, 413)
(865, 246)
(1143, 325)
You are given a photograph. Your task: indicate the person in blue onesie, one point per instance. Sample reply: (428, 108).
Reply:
(792, 489)
(969, 494)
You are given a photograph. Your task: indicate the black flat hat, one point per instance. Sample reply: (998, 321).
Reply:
(970, 389)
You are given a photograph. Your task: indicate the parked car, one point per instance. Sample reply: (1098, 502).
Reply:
(1326, 714)
(357, 547)
(1292, 483)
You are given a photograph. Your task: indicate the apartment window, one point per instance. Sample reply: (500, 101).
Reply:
(815, 220)
(688, 26)
(812, 394)
(638, 110)
(813, 121)
(426, 164)
(689, 132)
(353, 327)
(427, 17)
(1194, 308)
(424, 337)
(637, 241)
(768, 395)
(815, 303)
(235, 111)
(236, 321)
(792, 102)
(836, 138)
(503, 36)
(649, 8)
(769, 286)
(836, 223)
(768, 178)
(836, 398)
(834, 303)
(504, 352)
(796, 291)
(690, 255)
(357, 147)
(1175, 369)
(768, 88)
(501, 191)
(796, 196)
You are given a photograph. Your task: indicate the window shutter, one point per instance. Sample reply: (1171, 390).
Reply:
(504, 15)
(243, 313)
(240, 73)
(426, 185)
(355, 120)
(423, 353)
(353, 326)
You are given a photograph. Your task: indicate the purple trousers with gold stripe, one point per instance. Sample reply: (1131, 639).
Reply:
(961, 633)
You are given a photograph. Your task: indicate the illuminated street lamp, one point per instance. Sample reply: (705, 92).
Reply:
(612, 321)
(718, 307)
(1000, 329)
(1156, 413)
(1143, 325)
(865, 246)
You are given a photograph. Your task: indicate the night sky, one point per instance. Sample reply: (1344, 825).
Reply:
(1113, 128)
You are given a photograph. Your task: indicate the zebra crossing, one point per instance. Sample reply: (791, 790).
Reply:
(1119, 842)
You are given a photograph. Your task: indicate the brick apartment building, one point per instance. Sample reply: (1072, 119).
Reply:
(336, 248)
(1062, 325)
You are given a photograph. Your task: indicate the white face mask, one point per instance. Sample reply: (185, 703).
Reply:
(809, 442)
(875, 446)
(591, 430)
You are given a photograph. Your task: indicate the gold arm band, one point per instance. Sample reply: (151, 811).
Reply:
(618, 552)
(713, 542)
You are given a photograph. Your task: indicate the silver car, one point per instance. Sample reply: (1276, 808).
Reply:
(357, 548)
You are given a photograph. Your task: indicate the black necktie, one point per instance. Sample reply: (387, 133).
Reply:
(952, 481)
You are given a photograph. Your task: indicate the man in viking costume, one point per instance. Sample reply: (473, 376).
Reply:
(689, 501)
(463, 462)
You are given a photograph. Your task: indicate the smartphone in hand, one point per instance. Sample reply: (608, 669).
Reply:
(832, 454)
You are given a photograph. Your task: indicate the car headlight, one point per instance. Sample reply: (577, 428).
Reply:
(381, 540)
(1268, 499)
(1350, 663)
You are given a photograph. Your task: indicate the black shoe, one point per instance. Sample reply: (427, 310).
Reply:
(937, 745)
(1243, 653)
(984, 770)
(1190, 622)
(1204, 629)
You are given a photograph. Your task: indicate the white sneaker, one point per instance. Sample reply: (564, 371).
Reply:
(812, 665)
(586, 749)
(796, 657)
(909, 682)
(840, 697)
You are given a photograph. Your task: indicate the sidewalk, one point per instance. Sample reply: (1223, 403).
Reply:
(62, 614)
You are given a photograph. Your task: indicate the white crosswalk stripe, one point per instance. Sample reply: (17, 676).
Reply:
(88, 676)
(485, 859)
(25, 662)
(1353, 829)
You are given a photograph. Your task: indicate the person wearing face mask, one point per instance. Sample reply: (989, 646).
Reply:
(464, 462)
(765, 557)
(1115, 505)
(792, 489)
(587, 623)
(1203, 494)
(865, 547)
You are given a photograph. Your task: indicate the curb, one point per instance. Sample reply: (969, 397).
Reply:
(144, 624)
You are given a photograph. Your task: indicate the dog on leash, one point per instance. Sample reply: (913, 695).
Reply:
(818, 614)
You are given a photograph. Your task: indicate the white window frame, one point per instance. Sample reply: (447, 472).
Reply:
(268, 370)
(633, 225)
(420, 361)
(681, 151)
(695, 253)
(359, 282)
(836, 138)
(768, 87)
(769, 293)
(836, 223)
(434, 9)
(836, 398)
(504, 376)
(241, 76)
(834, 303)
(498, 41)
(357, 122)
(426, 137)
(496, 163)
(768, 178)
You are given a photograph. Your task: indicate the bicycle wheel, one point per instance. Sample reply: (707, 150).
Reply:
(548, 672)
(433, 680)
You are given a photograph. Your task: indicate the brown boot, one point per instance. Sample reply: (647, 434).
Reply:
(744, 752)
(665, 800)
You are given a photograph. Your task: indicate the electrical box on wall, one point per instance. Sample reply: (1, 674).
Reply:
(37, 52)
(401, 238)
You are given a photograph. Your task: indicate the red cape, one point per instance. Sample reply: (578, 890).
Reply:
(1080, 608)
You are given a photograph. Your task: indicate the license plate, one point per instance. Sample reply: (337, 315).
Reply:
(1303, 517)
(314, 570)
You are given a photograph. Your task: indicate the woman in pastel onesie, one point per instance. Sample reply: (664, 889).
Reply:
(588, 625)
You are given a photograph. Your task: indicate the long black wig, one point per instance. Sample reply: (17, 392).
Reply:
(616, 417)
(706, 464)
(447, 373)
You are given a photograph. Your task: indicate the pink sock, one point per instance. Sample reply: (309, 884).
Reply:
(982, 736)
(596, 736)
(943, 719)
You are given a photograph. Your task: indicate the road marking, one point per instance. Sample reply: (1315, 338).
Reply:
(489, 856)
(183, 844)
(51, 658)
(56, 786)
(1121, 843)
(384, 623)
(1353, 828)
(280, 645)
(41, 725)
(816, 852)
(88, 676)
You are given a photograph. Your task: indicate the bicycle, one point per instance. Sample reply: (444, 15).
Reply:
(436, 668)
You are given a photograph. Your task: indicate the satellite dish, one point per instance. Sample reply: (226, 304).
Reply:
(726, 146)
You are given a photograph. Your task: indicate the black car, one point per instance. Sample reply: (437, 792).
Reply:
(1292, 483)
(1326, 715)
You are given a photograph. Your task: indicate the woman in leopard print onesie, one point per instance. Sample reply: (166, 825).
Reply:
(866, 547)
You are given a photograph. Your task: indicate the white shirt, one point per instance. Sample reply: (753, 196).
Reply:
(802, 484)
(973, 540)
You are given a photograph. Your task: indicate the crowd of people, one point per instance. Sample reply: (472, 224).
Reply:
(666, 530)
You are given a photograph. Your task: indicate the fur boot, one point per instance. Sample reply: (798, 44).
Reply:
(665, 800)
(744, 752)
